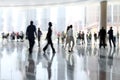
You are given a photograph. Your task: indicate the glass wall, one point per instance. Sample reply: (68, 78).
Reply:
(113, 18)
(82, 17)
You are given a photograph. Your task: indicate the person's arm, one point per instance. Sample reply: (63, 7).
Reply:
(36, 33)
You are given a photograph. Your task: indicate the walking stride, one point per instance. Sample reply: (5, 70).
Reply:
(49, 39)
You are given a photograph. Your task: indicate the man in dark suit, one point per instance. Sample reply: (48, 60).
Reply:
(111, 37)
(30, 33)
(102, 36)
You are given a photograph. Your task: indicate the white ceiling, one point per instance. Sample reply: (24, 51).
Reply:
(42, 2)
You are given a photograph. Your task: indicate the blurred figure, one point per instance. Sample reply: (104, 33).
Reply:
(111, 37)
(5, 36)
(31, 30)
(95, 37)
(21, 36)
(13, 36)
(39, 36)
(49, 38)
(83, 38)
(67, 38)
(102, 36)
(58, 37)
(62, 37)
(89, 37)
(79, 37)
(18, 36)
(71, 37)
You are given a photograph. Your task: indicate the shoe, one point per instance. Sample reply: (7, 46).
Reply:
(69, 51)
(44, 50)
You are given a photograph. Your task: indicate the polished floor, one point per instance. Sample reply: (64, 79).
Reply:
(84, 63)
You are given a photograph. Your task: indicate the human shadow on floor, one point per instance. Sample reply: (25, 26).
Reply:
(30, 69)
(70, 67)
(110, 57)
(49, 64)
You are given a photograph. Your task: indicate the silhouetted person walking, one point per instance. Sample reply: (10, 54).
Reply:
(48, 38)
(71, 37)
(39, 36)
(102, 36)
(30, 33)
(111, 37)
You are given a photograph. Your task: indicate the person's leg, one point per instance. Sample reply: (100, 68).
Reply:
(104, 44)
(38, 41)
(30, 45)
(52, 46)
(100, 44)
(69, 45)
(73, 43)
(110, 42)
(66, 42)
(45, 47)
(113, 41)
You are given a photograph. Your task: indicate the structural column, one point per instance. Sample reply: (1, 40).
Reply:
(103, 23)
(103, 15)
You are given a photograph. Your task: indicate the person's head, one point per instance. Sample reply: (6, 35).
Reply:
(50, 24)
(38, 28)
(31, 22)
(110, 27)
(70, 26)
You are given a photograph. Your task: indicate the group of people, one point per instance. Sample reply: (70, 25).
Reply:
(102, 35)
(31, 32)
(80, 37)
(13, 36)
(68, 36)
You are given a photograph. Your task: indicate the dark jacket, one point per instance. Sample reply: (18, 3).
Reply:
(102, 33)
(49, 34)
(31, 29)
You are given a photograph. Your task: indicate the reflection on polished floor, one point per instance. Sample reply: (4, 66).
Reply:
(84, 63)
